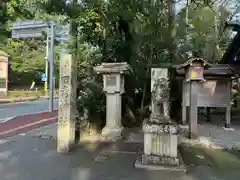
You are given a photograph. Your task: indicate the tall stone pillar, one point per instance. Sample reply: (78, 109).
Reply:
(67, 103)
(114, 87)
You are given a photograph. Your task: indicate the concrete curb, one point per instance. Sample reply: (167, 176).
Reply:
(47, 97)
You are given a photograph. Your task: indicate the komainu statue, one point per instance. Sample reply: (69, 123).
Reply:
(160, 98)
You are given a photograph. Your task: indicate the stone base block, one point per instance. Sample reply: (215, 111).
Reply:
(159, 127)
(110, 133)
(160, 145)
(160, 163)
(153, 159)
(64, 146)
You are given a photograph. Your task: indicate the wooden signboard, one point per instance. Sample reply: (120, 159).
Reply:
(212, 93)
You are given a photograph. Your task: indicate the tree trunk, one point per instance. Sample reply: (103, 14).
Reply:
(172, 28)
(74, 46)
(216, 36)
(186, 28)
(175, 103)
(145, 83)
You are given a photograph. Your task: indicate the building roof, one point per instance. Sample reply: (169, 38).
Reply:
(190, 61)
(112, 68)
(232, 50)
(216, 70)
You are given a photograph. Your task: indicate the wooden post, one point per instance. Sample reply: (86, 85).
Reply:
(67, 103)
(193, 109)
(184, 107)
(228, 117)
(228, 109)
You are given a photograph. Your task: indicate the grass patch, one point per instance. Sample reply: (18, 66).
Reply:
(189, 155)
(217, 158)
(25, 93)
(223, 159)
(19, 93)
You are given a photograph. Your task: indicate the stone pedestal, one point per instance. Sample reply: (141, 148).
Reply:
(113, 128)
(160, 147)
(113, 81)
(67, 104)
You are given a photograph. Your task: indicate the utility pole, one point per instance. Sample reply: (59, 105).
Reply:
(52, 51)
(46, 63)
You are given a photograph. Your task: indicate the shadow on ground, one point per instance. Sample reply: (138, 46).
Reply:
(28, 158)
(218, 159)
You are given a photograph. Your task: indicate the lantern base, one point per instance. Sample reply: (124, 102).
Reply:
(112, 133)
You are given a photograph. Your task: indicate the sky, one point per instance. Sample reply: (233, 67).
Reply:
(180, 5)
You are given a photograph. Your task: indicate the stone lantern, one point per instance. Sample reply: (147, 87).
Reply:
(194, 69)
(3, 74)
(113, 81)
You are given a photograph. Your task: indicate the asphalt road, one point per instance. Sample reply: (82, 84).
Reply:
(10, 111)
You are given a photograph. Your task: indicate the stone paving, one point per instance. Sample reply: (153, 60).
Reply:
(227, 138)
(216, 133)
(28, 158)
(33, 156)
(45, 132)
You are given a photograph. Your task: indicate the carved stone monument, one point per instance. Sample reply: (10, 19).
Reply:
(113, 80)
(160, 133)
(67, 103)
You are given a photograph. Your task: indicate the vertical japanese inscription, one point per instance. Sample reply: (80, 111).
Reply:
(64, 92)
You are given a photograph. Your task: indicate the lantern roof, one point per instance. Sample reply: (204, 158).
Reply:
(191, 61)
(112, 68)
